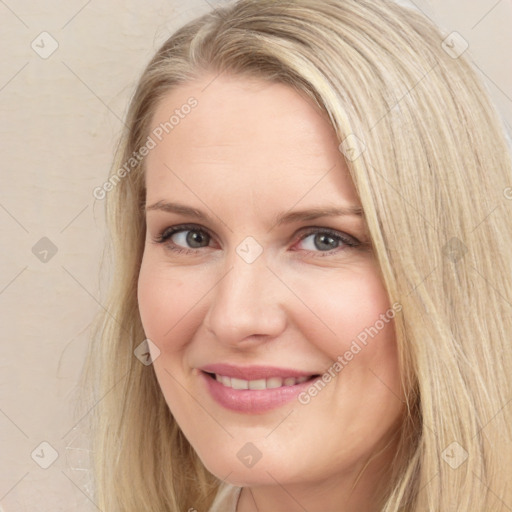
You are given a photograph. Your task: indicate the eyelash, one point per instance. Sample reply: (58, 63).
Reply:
(349, 241)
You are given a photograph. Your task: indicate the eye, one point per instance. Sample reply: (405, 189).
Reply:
(184, 238)
(327, 241)
(193, 238)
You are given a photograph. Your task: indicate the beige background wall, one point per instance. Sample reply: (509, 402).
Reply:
(60, 117)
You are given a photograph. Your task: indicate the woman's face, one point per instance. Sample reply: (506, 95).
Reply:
(275, 341)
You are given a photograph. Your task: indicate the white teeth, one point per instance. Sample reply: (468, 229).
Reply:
(258, 384)
(274, 382)
(271, 383)
(239, 383)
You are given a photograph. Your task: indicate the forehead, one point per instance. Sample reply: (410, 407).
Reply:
(244, 135)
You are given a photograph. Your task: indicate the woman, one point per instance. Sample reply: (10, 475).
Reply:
(309, 219)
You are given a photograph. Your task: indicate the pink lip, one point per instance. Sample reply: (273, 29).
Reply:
(255, 401)
(253, 372)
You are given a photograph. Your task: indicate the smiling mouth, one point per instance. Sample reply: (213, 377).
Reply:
(259, 384)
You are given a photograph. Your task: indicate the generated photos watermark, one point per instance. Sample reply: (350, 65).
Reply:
(358, 344)
(151, 143)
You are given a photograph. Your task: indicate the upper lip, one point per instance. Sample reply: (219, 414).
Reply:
(254, 372)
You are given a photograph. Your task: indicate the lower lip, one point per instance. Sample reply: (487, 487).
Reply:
(255, 400)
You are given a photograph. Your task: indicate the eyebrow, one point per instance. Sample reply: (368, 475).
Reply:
(284, 218)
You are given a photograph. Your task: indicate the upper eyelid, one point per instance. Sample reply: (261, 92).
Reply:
(186, 227)
(197, 227)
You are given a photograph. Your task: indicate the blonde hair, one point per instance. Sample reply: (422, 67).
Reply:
(431, 176)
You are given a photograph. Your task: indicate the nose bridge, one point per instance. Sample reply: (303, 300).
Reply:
(245, 301)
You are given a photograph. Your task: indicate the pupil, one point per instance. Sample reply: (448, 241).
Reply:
(324, 241)
(194, 238)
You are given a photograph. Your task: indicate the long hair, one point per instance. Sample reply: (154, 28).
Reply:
(429, 160)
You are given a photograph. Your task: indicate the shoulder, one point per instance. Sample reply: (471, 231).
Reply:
(226, 499)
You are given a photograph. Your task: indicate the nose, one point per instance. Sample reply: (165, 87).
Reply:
(247, 304)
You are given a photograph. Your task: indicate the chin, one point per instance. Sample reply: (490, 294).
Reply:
(237, 468)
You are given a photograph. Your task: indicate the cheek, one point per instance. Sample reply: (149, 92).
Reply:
(354, 327)
(165, 299)
(346, 306)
